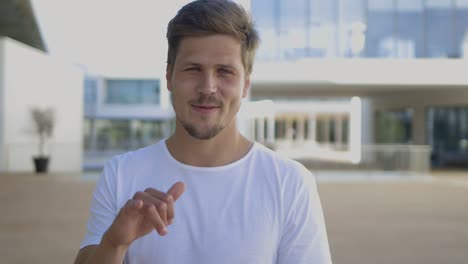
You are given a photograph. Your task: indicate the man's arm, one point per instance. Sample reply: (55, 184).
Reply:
(84, 254)
(304, 238)
(147, 211)
(100, 254)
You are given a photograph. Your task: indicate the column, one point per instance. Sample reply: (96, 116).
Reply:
(300, 129)
(312, 133)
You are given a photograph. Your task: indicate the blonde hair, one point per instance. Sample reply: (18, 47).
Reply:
(209, 17)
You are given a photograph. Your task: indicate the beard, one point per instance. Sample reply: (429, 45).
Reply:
(201, 133)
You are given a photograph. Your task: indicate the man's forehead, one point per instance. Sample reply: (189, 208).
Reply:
(216, 49)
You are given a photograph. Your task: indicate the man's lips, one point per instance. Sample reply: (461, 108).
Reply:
(205, 108)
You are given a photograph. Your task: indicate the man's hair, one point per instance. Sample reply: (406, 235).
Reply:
(209, 17)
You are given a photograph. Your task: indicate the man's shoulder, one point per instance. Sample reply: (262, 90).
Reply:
(134, 166)
(277, 157)
(279, 162)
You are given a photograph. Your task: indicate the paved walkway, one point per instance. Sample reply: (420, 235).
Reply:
(369, 221)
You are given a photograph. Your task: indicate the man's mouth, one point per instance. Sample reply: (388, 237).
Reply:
(205, 108)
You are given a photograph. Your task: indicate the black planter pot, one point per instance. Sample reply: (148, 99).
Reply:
(41, 164)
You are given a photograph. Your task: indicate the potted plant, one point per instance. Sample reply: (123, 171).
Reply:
(44, 120)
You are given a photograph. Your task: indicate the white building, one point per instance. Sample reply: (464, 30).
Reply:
(30, 78)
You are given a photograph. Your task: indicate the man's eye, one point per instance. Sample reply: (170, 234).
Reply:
(192, 69)
(225, 71)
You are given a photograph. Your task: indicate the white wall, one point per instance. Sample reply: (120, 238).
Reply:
(34, 79)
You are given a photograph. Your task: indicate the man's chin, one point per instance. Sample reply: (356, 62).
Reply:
(203, 134)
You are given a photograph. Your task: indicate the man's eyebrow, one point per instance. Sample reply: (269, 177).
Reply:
(228, 66)
(189, 63)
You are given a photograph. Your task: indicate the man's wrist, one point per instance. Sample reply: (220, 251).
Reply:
(108, 244)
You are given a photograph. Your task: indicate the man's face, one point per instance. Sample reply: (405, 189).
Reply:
(207, 83)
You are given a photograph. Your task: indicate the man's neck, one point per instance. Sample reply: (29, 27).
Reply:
(226, 147)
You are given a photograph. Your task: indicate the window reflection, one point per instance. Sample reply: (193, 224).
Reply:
(448, 134)
(296, 29)
(394, 126)
(132, 92)
(409, 29)
(352, 28)
(104, 135)
(440, 26)
(461, 36)
(322, 30)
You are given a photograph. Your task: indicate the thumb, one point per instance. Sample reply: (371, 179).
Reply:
(177, 190)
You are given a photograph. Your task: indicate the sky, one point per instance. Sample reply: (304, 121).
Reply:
(110, 36)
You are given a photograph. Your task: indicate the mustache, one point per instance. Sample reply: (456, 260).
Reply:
(206, 100)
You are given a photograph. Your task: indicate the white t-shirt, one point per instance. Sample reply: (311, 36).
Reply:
(263, 208)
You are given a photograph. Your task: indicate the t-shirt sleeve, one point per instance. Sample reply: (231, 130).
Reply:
(103, 209)
(304, 236)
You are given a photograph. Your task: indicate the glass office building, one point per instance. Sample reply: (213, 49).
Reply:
(294, 29)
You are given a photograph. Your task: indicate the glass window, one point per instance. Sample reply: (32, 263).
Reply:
(102, 135)
(352, 28)
(448, 136)
(112, 134)
(440, 29)
(410, 29)
(394, 127)
(265, 14)
(322, 35)
(380, 38)
(293, 28)
(90, 91)
(132, 92)
(461, 39)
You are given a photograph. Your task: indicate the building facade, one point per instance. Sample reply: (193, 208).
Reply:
(404, 60)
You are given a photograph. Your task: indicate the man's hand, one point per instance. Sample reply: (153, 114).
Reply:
(148, 210)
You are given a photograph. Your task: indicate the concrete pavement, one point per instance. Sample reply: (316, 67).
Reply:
(43, 219)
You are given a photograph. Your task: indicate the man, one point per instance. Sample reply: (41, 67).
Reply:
(206, 194)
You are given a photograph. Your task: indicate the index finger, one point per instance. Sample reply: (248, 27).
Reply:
(177, 190)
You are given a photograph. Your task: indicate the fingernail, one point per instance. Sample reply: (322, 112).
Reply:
(163, 231)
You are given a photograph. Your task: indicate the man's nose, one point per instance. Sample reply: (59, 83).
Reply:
(209, 84)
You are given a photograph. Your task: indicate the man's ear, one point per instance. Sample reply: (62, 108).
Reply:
(246, 88)
(168, 77)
